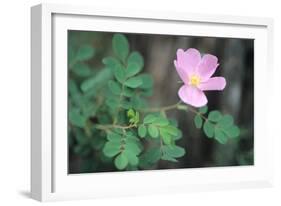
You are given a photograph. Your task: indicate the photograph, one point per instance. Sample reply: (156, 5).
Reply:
(140, 101)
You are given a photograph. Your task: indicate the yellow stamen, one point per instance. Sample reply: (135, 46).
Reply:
(194, 80)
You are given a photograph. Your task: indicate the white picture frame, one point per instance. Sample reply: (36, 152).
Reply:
(49, 178)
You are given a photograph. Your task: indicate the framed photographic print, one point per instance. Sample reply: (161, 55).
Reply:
(138, 102)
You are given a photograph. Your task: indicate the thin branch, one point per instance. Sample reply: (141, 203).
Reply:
(197, 113)
(113, 126)
(159, 109)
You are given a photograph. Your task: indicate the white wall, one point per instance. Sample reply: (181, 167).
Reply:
(15, 95)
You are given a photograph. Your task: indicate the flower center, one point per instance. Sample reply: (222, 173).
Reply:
(194, 80)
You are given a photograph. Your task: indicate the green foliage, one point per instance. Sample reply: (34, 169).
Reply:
(114, 87)
(84, 53)
(133, 82)
(110, 125)
(163, 129)
(124, 148)
(198, 121)
(136, 59)
(153, 131)
(171, 152)
(96, 81)
(76, 118)
(209, 129)
(216, 125)
(121, 161)
(132, 69)
(142, 130)
(134, 117)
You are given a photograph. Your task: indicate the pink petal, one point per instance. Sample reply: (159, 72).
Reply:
(207, 66)
(192, 96)
(188, 60)
(214, 83)
(183, 75)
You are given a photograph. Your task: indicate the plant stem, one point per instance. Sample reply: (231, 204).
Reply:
(118, 108)
(113, 126)
(159, 109)
(175, 106)
(197, 113)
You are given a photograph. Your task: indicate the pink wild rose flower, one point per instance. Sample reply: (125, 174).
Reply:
(196, 73)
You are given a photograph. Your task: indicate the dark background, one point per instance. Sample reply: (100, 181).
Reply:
(236, 64)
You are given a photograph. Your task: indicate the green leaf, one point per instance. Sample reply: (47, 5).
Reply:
(121, 161)
(198, 121)
(114, 137)
(114, 87)
(132, 69)
(173, 151)
(179, 136)
(81, 69)
(171, 130)
(203, 110)
(160, 121)
(134, 117)
(111, 62)
(148, 119)
(142, 130)
(132, 146)
(168, 158)
(84, 53)
(119, 74)
(132, 158)
(126, 104)
(153, 131)
(73, 88)
(120, 46)
(147, 81)
(208, 128)
(136, 58)
(133, 82)
(233, 131)
(96, 81)
(112, 103)
(76, 118)
(220, 136)
(111, 149)
(130, 113)
(166, 137)
(226, 121)
(138, 102)
(127, 92)
(214, 116)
